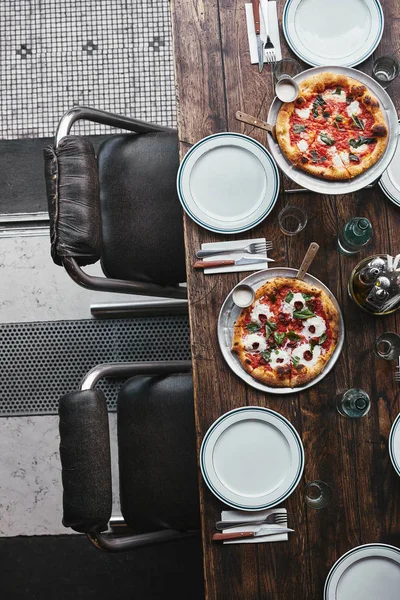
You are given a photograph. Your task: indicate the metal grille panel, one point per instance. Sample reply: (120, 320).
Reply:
(39, 362)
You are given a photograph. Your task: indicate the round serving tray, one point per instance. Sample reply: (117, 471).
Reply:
(229, 313)
(323, 186)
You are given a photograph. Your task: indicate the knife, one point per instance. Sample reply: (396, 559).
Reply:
(260, 45)
(237, 535)
(206, 264)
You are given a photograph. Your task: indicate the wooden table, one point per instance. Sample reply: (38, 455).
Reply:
(214, 79)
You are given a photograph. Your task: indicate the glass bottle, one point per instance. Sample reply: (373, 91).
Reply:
(374, 286)
(354, 403)
(355, 234)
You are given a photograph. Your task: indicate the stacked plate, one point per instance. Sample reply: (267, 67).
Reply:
(390, 180)
(252, 458)
(341, 33)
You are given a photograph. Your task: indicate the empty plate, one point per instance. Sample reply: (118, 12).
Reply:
(341, 33)
(252, 458)
(369, 572)
(394, 444)
(390, 180)
(228, 183)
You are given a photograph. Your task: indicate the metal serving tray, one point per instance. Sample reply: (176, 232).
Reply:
(229, 313)
(322, 186)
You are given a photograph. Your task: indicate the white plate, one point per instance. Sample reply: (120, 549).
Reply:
(390, 180)
(252, 458)
(317, 184)
(229, 313)
(369, 572)
(394, 444)
(333, 32)
(228, 183)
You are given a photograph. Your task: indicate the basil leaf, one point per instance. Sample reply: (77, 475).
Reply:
(349, 99)
(315, 112)
(326, 139)
(358, 122)
(313, 343)
(307, 297)
(319, 100)
(304, 313)
(279, 337)
(326, 114)
(361, 140)
(266, 354)
(314, 156)
(289, 296)
(322, 339)
(276, 351)
(292, 335)
(323, 159)
(339, 118)
(269, 328)
(338, 90)
(297, 128)
(295, 361)
(272, 298)
(354, 157)
(252, 327)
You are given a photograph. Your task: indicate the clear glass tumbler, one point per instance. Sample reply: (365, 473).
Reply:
(292, 220)
(317, 494)
(287, 66)
(385, 69)
(387, 346)
(354, 403)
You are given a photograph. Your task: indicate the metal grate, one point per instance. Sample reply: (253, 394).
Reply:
(39, 362)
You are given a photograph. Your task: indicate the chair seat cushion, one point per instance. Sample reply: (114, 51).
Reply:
(157, 453)
(142, 222)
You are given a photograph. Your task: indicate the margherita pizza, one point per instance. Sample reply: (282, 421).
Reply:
(287, 336)
(335, 129)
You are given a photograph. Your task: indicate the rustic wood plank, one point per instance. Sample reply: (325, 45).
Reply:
(214, 80)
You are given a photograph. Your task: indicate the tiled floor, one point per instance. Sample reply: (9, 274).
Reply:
(109, 54)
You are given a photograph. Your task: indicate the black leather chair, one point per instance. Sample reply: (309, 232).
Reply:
(158, 472)
(120, 207)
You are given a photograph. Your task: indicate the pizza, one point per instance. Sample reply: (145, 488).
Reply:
(287, 335)
(335, 128)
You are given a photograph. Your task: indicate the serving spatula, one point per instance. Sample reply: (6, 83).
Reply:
(250, 120)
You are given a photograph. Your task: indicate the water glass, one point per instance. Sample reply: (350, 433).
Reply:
(354, 403)
(385, 69)
(387, 346)
(317, 494)
(286, 66)
(292, 220)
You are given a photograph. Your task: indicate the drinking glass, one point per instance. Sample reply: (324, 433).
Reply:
(317, 494)
(292, 220)
(286, 66)
(387, 346)
(354, 403)
(385, 69)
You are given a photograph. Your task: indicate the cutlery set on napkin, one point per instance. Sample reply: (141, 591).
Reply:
(235, 256)
(238, 527)
(263, 32)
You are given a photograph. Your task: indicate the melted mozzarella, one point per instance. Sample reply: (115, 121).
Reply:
(318, 323)
(299, 353)
(260, 309)
(302, 145)
(254, 338)
(303, 113)
(360, 149)
(281, 354)
(330, 95)
(345, 157)
(353, 108)
(337, 161)
(304, 135)
(289, 307)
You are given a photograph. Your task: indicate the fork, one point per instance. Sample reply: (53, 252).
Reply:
(253, 248)
(397, 373)
(272, 519)
(269, 48)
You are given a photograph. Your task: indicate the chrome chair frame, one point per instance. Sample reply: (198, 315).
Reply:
(106, 284)
(111, 542)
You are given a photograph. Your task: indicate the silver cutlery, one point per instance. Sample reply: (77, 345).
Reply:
(244, 260)
(260, 45)
(252, 248)
(271, 519)
(259, 531)
(269, 49)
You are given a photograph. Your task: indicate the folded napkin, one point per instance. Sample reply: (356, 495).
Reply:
(242, 515)
(273, 29)
(235, 254)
